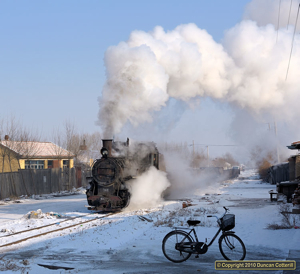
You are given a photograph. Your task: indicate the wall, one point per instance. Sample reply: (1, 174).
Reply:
(279, 173)
(294, 162)
(297, 167)
(22, 163)
(8, 160)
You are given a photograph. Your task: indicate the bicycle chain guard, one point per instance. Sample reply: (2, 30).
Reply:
(201, 248)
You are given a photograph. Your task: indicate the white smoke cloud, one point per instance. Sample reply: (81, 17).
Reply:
(195, 63)
(248, 69)
(146, 190)
(136, 84)
(264, 67)
(144, 72)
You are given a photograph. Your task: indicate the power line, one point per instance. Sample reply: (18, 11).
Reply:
(214, 145)
(207, 148)
(278, 20)
(292, 43)
(287, 26)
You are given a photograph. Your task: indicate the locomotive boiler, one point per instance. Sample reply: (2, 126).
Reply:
(120, 162)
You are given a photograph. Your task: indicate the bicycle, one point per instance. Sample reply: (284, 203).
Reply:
(179, 245)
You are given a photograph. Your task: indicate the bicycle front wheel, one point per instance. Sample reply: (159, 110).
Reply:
(175, 246)
(232, 247)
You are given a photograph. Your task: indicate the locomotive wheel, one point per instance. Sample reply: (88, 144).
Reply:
(126, 198)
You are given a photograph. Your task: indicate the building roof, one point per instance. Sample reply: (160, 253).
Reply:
(295, 145)
(30, 149)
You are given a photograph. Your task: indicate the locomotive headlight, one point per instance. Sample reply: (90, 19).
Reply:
(104, 152)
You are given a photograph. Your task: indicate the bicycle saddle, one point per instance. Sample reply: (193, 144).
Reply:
(193, 222)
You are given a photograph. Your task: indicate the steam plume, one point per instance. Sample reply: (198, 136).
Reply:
(146, 190)
(248, 69)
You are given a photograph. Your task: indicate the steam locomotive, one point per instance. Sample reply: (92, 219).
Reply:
(120, 162)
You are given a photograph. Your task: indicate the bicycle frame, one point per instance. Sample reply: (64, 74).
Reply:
(196, 237)
(195, 234)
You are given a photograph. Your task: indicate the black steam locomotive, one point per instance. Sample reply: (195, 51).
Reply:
(120, 163)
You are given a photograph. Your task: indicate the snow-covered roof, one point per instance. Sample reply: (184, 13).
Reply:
(36, 149)
(294, 145)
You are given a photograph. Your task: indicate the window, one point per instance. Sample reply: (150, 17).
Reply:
(33, 164)
(65, 163)
(50, 163)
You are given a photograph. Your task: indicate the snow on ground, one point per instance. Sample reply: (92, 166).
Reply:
(123, 243)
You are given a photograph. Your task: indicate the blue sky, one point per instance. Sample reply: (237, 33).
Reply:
(51, 52)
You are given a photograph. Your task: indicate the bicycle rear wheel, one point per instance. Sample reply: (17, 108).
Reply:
(176, 245)
(232, 247)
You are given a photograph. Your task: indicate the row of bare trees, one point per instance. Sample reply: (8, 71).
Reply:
(83, 146)
(22, 141)
(198, 158)
(264, 159)
(86, 146)
(16, 142)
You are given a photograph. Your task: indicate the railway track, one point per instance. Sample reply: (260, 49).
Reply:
(40, 228)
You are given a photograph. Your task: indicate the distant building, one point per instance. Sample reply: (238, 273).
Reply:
(294, 162)
(287, 175)
(16, 155)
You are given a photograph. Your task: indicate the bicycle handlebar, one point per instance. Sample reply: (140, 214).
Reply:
(226, 209)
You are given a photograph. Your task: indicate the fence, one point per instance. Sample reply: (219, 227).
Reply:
(39, 181)
(278, 173)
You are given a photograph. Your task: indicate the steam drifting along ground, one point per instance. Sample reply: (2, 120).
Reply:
(146, 190)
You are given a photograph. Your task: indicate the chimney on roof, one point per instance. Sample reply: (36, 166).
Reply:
(6, 137)
(83, 146)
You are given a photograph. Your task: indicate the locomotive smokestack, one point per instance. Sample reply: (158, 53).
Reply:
(107, 143)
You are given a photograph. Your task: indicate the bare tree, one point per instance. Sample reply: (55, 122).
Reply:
(225, 160)
(263, 159)
(74, 141)
(11, 129)
(94, 141)
(84, 146)
(19, 143)
(59, 140)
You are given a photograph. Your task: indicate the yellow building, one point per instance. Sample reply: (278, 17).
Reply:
(16, 155)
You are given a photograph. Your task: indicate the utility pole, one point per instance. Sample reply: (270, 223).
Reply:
(275, 130)
(207, 151)
(193, 150)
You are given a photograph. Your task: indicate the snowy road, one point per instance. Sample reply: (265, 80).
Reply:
(64, 204)
(122, 243)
